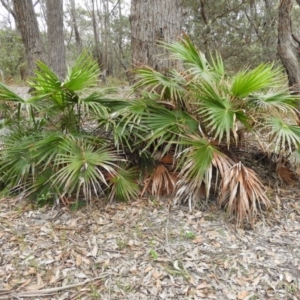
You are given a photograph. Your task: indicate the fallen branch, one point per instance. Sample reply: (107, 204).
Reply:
(45, 292)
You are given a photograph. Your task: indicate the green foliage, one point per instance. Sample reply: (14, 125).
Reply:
(12, 52)
(199, 113)
(50, 152)
(71, 143)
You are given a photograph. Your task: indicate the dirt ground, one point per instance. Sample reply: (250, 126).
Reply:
(147, 250)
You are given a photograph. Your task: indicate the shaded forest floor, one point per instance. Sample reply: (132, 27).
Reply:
(148, 250)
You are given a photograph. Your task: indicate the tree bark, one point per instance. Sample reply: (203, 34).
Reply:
(55, 36)
(286, 49)
(153, 21)
(98, 53)
(75, 26)
(29, 29)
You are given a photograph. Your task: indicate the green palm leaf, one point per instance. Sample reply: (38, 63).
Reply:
(283, 135)
(195, 60)
(84, 74)
(82, 167)
(92, 103)
(169, 87)
(280, 100)
(196, 159)
(123, 184)
(7, 95)
(219, 111)
(17, 162)
(247, 82)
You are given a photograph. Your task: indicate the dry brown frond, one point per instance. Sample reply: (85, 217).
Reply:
(192, 191)
(242, 193)
(168, 159)
(160, 182)
(285, 174)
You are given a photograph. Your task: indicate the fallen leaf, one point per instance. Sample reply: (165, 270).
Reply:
(156, 274)
(80, 275)
(242, 295)
(202, 285)
(78, 260)
(288, 277)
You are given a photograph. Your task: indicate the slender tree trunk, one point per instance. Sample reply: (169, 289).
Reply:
(153, 21)
(55, 35)
(104, 39)
(98, 53)
(75, 26)
(29, 29)
(286, 49)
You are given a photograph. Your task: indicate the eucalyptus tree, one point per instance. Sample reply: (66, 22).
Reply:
(288, 45)
(152, 22)
(243, 32)
(28, 27)
(55, 37)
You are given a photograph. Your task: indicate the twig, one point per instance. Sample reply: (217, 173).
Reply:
(47, 292)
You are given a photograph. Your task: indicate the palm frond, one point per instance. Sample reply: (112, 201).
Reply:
(81, 167)
(84, 74)
(197, 163)
(250, 81)
(17, 162)
(92, 103)
(217, 64)
(242, 193)
(219, 112)
(160, 182)
(274, 100)
(283, 135)
(196, 160)
(170, 88)
(167, 125)
(195, 60)
(7, 95)
(123, 184)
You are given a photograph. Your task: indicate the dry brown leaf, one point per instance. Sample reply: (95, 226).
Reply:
(148, 269)
(197, 240)
(288, 277)
(242, 193)
(78, 260)
(242, 295)
(203, 285)
(156, 274)
(158, 284)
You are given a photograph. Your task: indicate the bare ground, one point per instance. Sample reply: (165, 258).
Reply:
(147, 250)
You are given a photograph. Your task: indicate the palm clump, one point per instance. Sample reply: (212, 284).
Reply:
(208, 117)
(54, 150)
(181, 137)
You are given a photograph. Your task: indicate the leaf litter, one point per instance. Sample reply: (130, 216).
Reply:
(147, 250)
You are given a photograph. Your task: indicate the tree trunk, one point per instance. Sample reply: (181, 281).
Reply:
(98, 53)
(29, 29)
(153, 21)
(55, 36)
(75, 26)
(286, 49)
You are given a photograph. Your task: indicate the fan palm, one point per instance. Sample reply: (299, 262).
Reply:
(50, 149)
(214, 108)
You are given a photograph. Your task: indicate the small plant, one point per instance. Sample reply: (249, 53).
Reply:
(153, 254)
(45, 199)
(190, 235)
